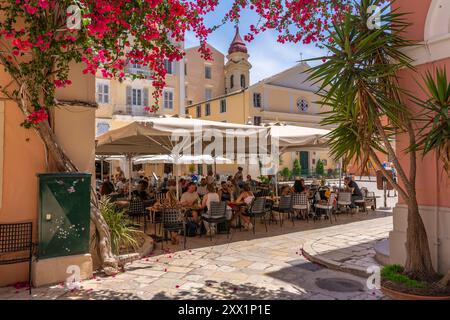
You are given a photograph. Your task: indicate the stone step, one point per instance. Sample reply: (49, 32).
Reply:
(382, 252)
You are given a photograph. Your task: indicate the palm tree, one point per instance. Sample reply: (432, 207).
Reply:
(358, 82)
(434, 134)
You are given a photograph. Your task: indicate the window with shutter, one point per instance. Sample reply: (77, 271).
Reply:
(129, 100)
(137, 97)
(102, 93)
(168, 65)
(208, 94)
(168, 98)
(146, 98)
(208, 72)
(223, 106)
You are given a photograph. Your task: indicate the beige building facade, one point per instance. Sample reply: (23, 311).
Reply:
(219, 91)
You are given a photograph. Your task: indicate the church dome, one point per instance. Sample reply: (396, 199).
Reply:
(238, 45)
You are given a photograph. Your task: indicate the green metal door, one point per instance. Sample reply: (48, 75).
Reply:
(64, 214)
(304, 162)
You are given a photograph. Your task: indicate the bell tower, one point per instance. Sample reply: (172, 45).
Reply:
(237, 68)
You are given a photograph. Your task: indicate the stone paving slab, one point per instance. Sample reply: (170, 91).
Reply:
(355, 256)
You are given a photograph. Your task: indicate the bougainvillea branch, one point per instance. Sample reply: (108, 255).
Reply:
(38, 43)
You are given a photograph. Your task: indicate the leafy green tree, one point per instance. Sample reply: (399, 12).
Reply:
(286, 173)
(320, 169)
(297, 170)
(358, 81)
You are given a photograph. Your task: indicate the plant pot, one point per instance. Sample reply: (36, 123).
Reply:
(398, 295)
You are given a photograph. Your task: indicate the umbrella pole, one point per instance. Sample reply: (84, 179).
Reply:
(101, 169)
(276, 160)
(175, 169)
(340, 173)
(130, 171)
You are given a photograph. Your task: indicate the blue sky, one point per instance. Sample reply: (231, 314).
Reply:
(267, 56)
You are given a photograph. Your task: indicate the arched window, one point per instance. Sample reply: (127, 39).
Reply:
(438, 20)
(242, 81)
(232, 81)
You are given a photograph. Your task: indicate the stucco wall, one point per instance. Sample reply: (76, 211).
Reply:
(195, 75)
(433, 185)
(23, 157)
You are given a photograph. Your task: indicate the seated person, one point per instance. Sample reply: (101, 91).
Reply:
(250, 181)
(106, 188)
(121, 186)
(211, 196)
(285, 191)
(227, 196)
(353, 187)
(224, 193)
(190, 198)
(202, 188)
(246, 197)
(142, 189)
(299, 186)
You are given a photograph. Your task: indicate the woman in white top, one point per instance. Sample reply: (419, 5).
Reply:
(246, 197)
(211, 196)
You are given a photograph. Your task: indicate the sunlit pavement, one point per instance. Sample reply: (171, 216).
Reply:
(245, 266)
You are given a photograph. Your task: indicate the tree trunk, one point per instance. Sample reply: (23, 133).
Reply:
(418, 261)
(109, 261)
(64, 164)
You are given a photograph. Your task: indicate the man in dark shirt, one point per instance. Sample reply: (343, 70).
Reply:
(355, 190)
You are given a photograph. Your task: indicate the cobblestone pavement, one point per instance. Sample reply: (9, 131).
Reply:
(349, 247)
(246, 266)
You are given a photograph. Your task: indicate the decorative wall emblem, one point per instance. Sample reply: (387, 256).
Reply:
(302, 105)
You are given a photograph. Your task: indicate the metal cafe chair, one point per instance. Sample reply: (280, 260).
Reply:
(173, 220)
(344, 200)
(217, 214)
(285, 207)
(16, 245)
(328, 207)
(259, 209)
(300, 202)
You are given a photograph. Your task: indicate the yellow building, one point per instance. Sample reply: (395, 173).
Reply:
(220, 91)
(285, 97)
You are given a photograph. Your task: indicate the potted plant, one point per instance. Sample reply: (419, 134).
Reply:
(286, 174)
(297, 170)
(398, 286)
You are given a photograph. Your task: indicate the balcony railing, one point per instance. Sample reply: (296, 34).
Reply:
(136, 111)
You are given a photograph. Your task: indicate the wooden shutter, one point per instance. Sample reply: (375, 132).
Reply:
(146, 97)
(129, 94)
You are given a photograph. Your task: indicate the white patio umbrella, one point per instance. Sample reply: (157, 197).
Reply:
(295, 138)
(161, 136)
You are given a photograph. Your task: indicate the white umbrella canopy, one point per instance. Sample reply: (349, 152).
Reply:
(183, 159)
(155, 136)
(292, 138)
